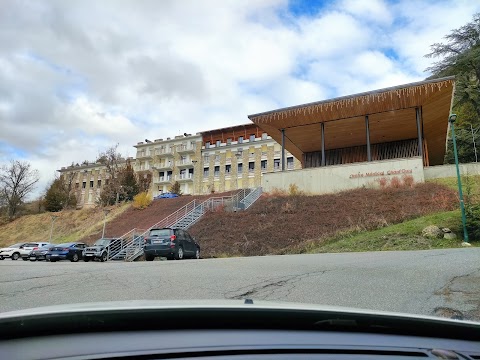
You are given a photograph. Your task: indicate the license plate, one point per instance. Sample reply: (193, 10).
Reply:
(157, 241)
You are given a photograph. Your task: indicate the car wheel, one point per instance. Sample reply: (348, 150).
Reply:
(15, 256)
(179, 254)
(86, 259)
(51, 260)
(149, 258)
(103, 258)
(1, 257)
(74, 258)
(197, 253)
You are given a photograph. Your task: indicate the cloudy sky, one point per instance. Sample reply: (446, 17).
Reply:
(78, 76)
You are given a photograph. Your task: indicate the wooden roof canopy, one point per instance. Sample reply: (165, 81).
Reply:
(391, 113)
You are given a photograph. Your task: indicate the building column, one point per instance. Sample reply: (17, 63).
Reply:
(283, 149)
(419, 132)
(322, 127)
(367, 130)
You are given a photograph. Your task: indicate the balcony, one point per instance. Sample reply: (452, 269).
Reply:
(165, 152)
(144, 155)
(185, 163)
(167, 165)
(165, 179)
(184, 149)
(184, 177)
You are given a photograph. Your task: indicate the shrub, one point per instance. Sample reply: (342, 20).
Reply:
(142, 200)
(395, 183)
(473, 221)
(293, 190)
(383, 182)
(175, 188)
(408, 180)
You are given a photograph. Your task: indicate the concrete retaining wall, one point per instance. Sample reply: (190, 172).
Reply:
(343, 177)
(442, 171)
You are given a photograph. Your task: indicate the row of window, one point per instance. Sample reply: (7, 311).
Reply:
(251, 167)
(84, 184)
(208, 144)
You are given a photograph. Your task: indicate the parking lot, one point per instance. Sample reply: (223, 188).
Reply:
(423, 282)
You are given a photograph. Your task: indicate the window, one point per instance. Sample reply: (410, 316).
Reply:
(205, 172)
(217, 158)
(264, 136)
(107, 181)
(251, 167)
(99, 183)
(290, 163)
(229, 141)
(206, 158)
(240, 139)
(263, 165)
(84, 185)
(228, 169)
(91, 183)
(252, 138)
(207, 145)
(217, 144)
(240, 168)
(77, 185)
(276, 164)
(217, 171)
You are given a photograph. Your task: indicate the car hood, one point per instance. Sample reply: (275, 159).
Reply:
(7, 249)
(96, 247)
(208, 305)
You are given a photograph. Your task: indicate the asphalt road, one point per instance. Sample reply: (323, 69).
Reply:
(437, 282)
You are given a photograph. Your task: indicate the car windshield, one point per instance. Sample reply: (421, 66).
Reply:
(102, 242)
(320, 152)
(160, 232)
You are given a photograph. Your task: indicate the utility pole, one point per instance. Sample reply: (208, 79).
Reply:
(474, 145)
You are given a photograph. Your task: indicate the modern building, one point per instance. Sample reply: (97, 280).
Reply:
(383, 133)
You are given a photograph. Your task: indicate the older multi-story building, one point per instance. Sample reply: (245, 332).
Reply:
(87, 180)
(170, 160)
(211, 161)
(236, 157)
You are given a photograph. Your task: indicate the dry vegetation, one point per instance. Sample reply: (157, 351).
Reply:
(71, 225)
(278, 224)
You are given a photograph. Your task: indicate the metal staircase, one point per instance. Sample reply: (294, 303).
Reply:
(183, 218)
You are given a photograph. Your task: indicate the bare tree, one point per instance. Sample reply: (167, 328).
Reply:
(113, 191)
(17, 181)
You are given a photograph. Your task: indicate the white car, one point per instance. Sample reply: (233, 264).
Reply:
(27, 248)
(12, 251)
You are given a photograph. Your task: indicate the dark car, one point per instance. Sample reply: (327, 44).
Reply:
(40, 253)
(68, 251)
(170, 243)
(102, 248)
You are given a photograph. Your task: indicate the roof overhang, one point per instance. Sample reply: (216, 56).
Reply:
(391, 113)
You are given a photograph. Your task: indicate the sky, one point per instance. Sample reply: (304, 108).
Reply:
(79, 76)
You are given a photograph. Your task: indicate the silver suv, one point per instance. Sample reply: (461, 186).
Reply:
(102, 249)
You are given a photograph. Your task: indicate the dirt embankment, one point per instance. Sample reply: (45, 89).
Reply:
(277, 224)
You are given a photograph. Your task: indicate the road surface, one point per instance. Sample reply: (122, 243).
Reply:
(436, 282)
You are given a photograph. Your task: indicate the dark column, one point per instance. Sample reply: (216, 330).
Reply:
(322, 127)
(283, 149)
(419, 132)
(367, 129)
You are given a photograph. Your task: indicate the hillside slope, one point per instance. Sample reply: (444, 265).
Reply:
(277, 224)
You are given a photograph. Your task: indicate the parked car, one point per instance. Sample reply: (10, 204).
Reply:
(69, 251)
(27, 248)
(166, 195)
(12, 251)
(170, 243)
(40, 253)
(101, 248)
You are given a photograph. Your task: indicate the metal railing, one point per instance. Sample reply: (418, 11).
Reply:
(184, 218)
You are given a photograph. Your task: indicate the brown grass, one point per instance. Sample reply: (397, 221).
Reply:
(275, 224)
